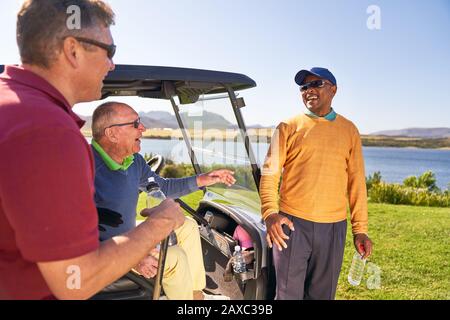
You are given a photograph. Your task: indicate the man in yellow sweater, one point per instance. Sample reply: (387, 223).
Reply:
(318, 155)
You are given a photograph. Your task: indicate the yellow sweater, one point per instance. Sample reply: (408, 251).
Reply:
(322, 171)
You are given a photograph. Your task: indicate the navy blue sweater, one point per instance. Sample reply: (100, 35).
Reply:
(119, 190)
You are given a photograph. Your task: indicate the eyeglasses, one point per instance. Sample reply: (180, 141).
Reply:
(110, 48)
(135, 124)
(313, 84)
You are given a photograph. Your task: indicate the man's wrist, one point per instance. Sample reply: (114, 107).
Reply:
(268, 215)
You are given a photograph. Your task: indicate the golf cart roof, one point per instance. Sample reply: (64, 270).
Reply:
(164, 82)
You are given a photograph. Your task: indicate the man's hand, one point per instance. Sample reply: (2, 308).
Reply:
(275, 232)
(167, 216)
(147, 267)
(363, 244)
(216, 176)
(126, 251)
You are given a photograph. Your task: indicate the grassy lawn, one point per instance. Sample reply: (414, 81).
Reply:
(192, 200)
(411, 247)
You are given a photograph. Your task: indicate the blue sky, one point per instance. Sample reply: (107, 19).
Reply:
(392, 78)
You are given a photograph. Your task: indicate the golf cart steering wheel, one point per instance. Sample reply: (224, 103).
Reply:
(156, 163)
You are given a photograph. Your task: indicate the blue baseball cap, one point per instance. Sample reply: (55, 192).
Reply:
(316, 71)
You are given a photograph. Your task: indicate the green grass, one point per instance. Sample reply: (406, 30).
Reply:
(192, 200)
(411, 247)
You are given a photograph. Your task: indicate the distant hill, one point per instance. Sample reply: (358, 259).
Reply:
(209, 120)
(158, 119)
(416, 132)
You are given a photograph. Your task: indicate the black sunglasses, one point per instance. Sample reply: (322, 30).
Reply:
(135, 124)
(313, 84)
(110, 48)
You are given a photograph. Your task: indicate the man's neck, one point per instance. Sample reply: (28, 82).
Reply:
(56, 79)
(111, 150)
(321, 112)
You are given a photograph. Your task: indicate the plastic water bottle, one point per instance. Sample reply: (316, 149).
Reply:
(238, 261)
(356, 270)
(154, 197)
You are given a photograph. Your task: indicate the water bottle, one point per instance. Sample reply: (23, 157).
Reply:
(356, 270)
(154, 197)
(238, 261)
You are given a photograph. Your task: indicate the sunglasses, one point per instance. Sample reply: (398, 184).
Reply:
(313, 84)
(110, 48)
(135, 124)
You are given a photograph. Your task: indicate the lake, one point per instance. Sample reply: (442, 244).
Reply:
(395, 164)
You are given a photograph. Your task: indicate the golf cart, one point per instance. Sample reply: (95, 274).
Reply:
(209, 135)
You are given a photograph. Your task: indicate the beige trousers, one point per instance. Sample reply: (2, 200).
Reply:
(184, 271)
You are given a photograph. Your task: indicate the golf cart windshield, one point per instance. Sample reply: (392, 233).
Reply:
(217, 142)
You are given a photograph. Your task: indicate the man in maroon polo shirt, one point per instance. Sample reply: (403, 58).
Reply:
(49, 244)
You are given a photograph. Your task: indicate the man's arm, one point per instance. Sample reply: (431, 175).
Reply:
(357, 194)
(172, 188)
(271, 172)
(115, 257)
(178, 187)
(269, 185)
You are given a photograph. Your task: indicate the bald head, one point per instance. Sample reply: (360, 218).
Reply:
(104, 116)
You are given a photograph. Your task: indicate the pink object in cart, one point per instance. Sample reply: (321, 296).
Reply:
(244, 239)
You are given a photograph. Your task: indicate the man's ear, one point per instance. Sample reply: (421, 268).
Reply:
(111, 135)
(334, 90)
(71, 50)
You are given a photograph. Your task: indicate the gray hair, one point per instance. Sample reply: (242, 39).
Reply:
(102, 117)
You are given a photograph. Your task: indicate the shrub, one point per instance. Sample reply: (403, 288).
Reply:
(426, 181)
(177, 170)
(418, 191)
(372, 180)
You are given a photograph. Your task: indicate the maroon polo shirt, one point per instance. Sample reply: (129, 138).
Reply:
(47, 211)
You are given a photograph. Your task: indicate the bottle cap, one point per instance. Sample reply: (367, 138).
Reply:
(237, 248)
(152, 184)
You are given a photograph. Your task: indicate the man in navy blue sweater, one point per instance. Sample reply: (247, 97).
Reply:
(120, 171)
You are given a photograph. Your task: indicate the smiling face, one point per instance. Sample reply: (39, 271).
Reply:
(124, 140)
(318, 100)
